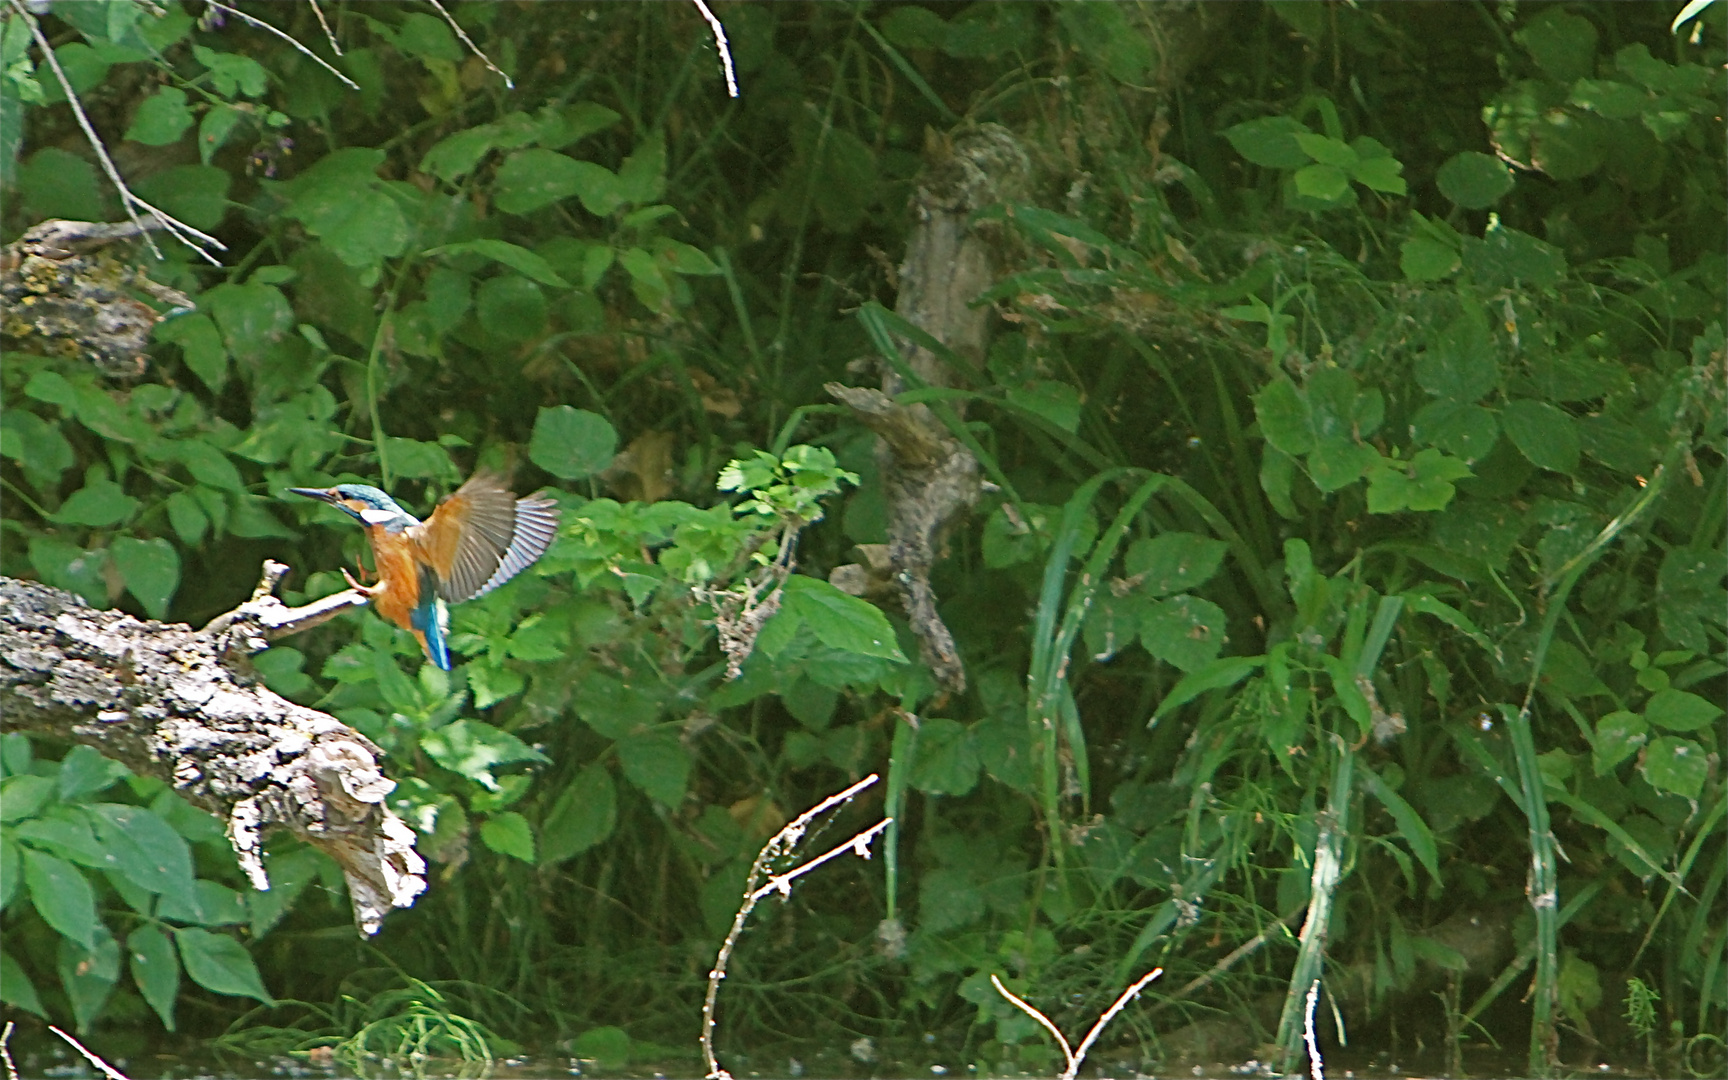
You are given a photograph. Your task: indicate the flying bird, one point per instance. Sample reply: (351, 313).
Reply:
(476, 540)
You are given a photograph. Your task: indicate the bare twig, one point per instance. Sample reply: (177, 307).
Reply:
(255, 624)
(186, 234)
(289, 38)
(782, 843)
(329, 35)
(720, 43)
(1076, 1056)
(1316, 1071)
(5, 1054)
(107, 1070)
(473, 48)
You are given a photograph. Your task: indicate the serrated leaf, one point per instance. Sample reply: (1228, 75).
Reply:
(1545, 435)
(1174, 561)
(657, 763)
(508, 834)
(838, 620)
(1185, 632)
(946, 761)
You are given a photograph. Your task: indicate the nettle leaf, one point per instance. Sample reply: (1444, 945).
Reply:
(1183, 631)
(584, 815)
(508, 834)
(1676, 765)
(220, 964)
(473, 749)
(571, 443)
(151, 569)
(1423, 483)
(1468, 431)
(657, 763)
(1174, 562)
(62, 896)
(838, 620)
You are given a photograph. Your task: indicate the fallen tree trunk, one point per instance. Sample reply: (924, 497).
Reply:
(181, 704)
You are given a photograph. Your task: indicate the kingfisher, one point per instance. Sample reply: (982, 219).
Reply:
(478, 538)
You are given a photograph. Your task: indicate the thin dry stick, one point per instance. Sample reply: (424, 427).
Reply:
(5, 1054)
(473, 48)
(720, 43)
(289, 38)
(1077, 1056)
(782, 843)
(107, 1070)
(132, 203)
(1315, 1070)
(329, 35)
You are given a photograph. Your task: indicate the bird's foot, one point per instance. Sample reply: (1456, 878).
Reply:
(367, 590)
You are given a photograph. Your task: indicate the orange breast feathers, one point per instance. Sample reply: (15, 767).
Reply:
(398, 588)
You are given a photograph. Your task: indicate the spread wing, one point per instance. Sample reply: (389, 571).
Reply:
(483, 535)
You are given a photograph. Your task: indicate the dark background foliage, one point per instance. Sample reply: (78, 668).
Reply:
(1390, 335)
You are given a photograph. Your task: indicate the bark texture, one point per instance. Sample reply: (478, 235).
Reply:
(930, 478)
(181, 704)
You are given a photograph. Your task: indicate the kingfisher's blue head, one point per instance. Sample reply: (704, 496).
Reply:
(364, 503)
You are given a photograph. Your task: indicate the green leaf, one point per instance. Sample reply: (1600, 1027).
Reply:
(1619, 735)
(341, 201)
(517, 258)
(1174, 561)
(16, 988)
(1337, 463)
(1544, 434)
(98, 504)
(161, 118)
(1562, 44)
(1213, 675)
(1423, 483)
(88, 975)
(200, 347)
(252, 317)
(1328, 183)
(23, 796)
(1459, 365)
(1675, 765)
(151, 569)
(38, 446)
(83, 771)
(428, 38)
(657, 763)
(571, 443)
(642, 175)
(510, 308)
(155, 969)
(59, 184)
(608, 1047)
(681, 258)
(456, 155)
(1474, 180)
(1183, 631)
(838, 620)
(613, 707)
(1057, 402)
(145, 849)
(1269, 141)
(208, 465)
(1382, 174)
(219, 964)
(62, 896)
(210, 904)
(1326, 150)
(1506, 257)
(1469, 431)
(946, 761)
(1286, 418)
(196, 194)
(1422, 258)
(1689, 595)
(1676, 710)
(63, 831)
(508, 834)
(232, 73)
(584, 815)
(1411, 827)
(472, 749)
(535, 178)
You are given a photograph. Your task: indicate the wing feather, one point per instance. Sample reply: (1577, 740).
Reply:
(482, 536)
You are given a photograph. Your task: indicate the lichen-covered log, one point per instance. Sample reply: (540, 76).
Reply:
(177, 703)
(929, 476)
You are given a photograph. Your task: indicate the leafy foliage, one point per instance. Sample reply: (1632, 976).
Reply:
(1332, 412)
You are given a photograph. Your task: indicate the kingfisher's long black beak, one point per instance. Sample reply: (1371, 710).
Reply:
(326, 495)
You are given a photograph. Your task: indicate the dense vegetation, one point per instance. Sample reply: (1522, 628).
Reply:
(1355, 421)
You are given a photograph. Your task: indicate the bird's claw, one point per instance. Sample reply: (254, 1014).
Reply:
(355, 585)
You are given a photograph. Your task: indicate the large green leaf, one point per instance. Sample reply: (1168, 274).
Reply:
(473, 749)
(1174, 561)
(220, 964)
(656, 762)
(145, 849)
(151, 569)
(584, 815)
(62, 896)
(838, 620)
(508, 834)
(571, 443)
(156, 970)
